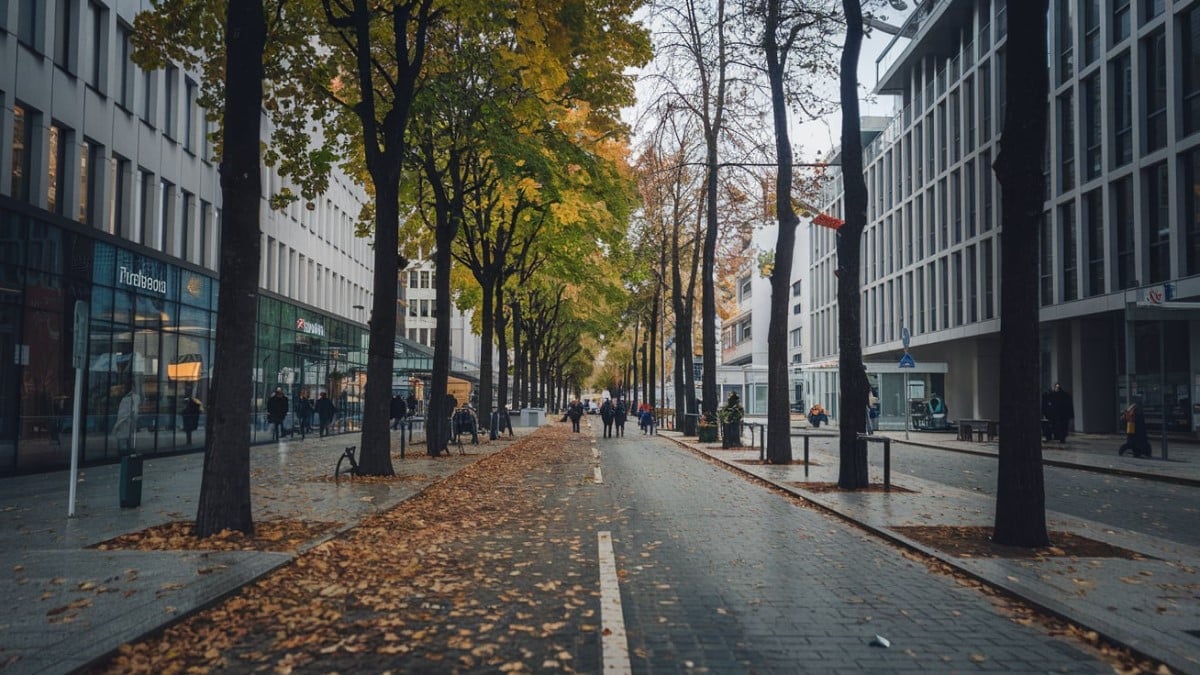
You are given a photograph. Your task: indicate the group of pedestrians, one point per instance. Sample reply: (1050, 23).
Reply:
(613, 415)
(402, 407)
(278, 408)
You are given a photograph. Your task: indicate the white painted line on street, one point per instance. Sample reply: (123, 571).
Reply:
(614, 645)
(596, 453)
(598, 477)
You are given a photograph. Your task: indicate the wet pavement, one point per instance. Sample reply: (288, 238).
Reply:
(717, 575)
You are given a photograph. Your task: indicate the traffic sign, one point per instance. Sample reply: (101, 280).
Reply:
(907, 361)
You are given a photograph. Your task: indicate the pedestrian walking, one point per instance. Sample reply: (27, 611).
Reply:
(277, 410)
(190, 415)
(398, 410)
(574, 412)
(646, 418)
(1062, 412)
(1136, 440)
(619, 415)
(304, 411)
(325, 413)
(1047, 414)
(411, 403)
(817, 416)
(606, 416)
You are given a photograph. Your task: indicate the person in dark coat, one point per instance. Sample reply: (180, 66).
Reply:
(606, 416)
(399, 410)
(1047, 414)
(411, 403)
(574, 412)
(1062, 410)
(191, 415)
(619, 416)
(277, 410)
(325, 412)
(304, 411)
(1136, 440)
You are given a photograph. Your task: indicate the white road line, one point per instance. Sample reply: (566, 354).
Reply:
(598, 477)
(614, 645)
(596, 453)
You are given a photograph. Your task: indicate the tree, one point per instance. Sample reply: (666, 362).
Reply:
(1020, 490)
(795, 23)
(379, 56)
(852, 374)
(225, 482)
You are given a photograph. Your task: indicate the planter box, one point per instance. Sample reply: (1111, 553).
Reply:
(731, 435)
(707, 434)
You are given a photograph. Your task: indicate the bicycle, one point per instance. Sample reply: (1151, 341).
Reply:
(348, 453)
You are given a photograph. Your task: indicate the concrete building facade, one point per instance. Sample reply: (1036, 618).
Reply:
(1120, 237)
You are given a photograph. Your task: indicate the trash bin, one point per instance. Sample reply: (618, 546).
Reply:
(131, 481)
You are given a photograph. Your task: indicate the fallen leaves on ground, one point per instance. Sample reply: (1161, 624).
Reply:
(834, 487)
(463, 576)
(975, 541)
(270, 535)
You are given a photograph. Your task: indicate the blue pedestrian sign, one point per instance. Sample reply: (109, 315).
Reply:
(906, 361)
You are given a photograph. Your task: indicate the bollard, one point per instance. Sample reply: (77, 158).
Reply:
(887, 457)
(806, 455)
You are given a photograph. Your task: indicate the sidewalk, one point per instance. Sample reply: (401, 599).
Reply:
(67, 604)
(1149, 604)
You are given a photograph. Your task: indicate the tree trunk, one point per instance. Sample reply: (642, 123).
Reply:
(1020, 491)
(375, 446)
(708, 311)
(225, 482)
(487, 334)
(502, 348)
(518, 355)
(852, 376)
(779, 422)
(437, 422)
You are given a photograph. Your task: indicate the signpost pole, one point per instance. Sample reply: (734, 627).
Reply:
(905, 336)
(78, 357)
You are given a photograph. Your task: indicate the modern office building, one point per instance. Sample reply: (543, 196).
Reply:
(110, 197)
(1120, 237)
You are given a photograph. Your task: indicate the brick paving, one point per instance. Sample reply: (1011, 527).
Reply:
(717, 575)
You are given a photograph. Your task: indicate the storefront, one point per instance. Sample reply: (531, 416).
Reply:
(150, 347)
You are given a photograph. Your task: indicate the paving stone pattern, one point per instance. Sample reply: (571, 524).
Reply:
(734, 578)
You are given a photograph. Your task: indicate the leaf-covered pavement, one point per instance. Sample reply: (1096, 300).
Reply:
(476, 574)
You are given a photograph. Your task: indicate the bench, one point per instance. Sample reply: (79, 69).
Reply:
(978, 428)
(347, 454)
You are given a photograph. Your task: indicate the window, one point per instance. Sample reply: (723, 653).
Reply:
(1120, 20)
(98, 72)
(118, 183)
(956, 206)
(1070, 257)
(944, 289)
(64, 38)
(1093, 135)
(1190, 92)
(1091, 30)
(56, 175)
(412, 279)
(124, 67)
(170, 104)
(1123, 224)
(145, 206)
(985, 159)
(1191, 209)
(1151, 9)
(29, 23)
(1093, 204)
(796, 289)
(1066, 143)
(955, 127)
(969, 191)
(1122, 112)
(957, 275)
(1046, 260)
(745, 286)
(187, 226)
(1066, 40)
(1155, 82)
(985, 103)
(744, 330)
(796, 308)
(988, 283)
(189, 115)
(22, 152)
(148, 97)
(166, 219)
(972, 287)
(203, 228)
(1158, 223)
(91, 158)
(412, 307)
